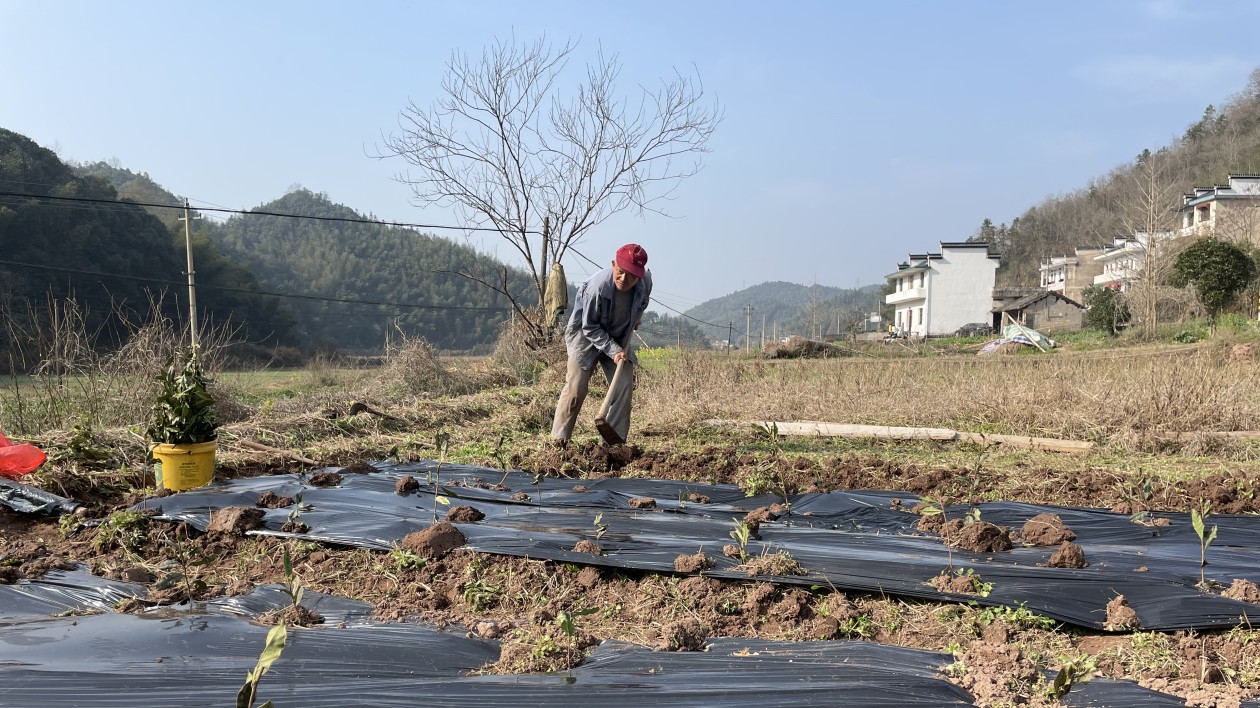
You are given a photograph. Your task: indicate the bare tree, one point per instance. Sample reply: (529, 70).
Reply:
(1149, 214)
(510, 152)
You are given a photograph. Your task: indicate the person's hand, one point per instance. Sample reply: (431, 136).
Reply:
(619, 357)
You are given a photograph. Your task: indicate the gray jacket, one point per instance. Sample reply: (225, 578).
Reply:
(587, 332)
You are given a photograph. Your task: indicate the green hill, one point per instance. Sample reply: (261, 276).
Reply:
(112, 259)
(784, 309)
(367, 282)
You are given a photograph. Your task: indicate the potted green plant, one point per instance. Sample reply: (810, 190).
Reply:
(182, 426)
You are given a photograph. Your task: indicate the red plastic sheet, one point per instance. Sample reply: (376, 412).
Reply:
(17, 460)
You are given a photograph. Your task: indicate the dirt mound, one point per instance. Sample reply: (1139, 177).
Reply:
(359, 468)
(464, 514)
(980, 537)
(435, 541)
(588, 546)
(642, 503)
(1121, 617)
(771, 564)
(271, 500)
(235, 520)
(959, 584)
(324, 479)
(684, 635)
(1242, 590)
(1045, 530)
(997, 674)
(693, 563)
(406, 484)
(1069, 555)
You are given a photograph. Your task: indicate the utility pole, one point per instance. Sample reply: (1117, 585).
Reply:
(748, 309)
(730, 331)
(192, 285)
(763, 330)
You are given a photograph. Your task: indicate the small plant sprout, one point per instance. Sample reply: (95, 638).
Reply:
(537, 480)
(932, 507)
(972, 516)
(276, 639)
(298, 507)
(1206, 537)
(742, 533)
(442, 443)
(1074, 671)
(182, 568)
(600, 527)
(292, 584)
(568, 620)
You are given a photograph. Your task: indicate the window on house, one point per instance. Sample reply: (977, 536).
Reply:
(921, 276)
(920, 315)
(1205, 212)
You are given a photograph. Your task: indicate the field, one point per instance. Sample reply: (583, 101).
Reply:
(1158, 416)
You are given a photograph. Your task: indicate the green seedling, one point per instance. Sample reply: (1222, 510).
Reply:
(406, 560)
(742, 533)
(600, 528)
(275, 644)
(500, 456)
(298, 508)
(124, 529)
(1206, 537)
(932, 507)
(537, 480)
(567, 620)
(1074, 671)
(292, 583)
(182, 568)
(441, 442)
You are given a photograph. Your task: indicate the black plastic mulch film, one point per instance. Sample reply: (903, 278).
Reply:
(846, 540)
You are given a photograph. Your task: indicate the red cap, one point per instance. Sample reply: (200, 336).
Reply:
(632, 258)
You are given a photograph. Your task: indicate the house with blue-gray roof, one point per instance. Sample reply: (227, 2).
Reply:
(934, 294)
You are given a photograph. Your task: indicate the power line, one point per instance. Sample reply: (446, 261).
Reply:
(247, 291)
(255, 212)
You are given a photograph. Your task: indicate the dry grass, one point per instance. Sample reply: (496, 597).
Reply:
(1127, 401)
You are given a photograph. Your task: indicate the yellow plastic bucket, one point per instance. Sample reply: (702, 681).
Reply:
(184, 466)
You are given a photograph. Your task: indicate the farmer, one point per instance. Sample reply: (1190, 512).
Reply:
(608, 309)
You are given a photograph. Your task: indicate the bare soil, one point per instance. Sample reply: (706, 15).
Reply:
(519, 601)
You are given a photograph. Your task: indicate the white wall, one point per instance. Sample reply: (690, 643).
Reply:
(960, 290)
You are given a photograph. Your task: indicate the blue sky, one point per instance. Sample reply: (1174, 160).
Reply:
(854, 133)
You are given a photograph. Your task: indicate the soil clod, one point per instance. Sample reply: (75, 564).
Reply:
(435, 541)
(235, 520)
(464, 514)
(271, 500)
(1046, 530)
(1069, 555)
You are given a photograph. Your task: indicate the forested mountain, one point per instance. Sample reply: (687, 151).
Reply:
(112, 259)
(364, 282)
(785, 309)
(1133, 196)
(137, 188)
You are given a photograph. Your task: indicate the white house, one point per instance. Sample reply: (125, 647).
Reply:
(1230, 211)
(936, 293)
(1123, 261)
(1070, 275)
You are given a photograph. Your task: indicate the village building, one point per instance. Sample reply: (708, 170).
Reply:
(1071, 275)
(1046, 311)
(934, 294)
(1228, 211)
